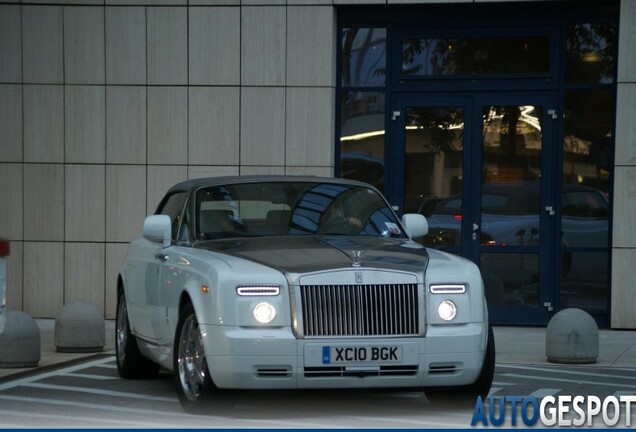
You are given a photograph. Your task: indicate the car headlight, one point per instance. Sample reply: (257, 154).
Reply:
(447, 288)
(447, 310)
(257, 290)
(264, 312)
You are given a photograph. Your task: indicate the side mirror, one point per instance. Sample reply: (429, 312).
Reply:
(415, 225)
(158, 229)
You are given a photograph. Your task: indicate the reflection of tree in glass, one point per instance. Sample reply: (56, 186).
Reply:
(363, 55)
(590, 53)
(440, 130)
(475, 55)
(588, 136)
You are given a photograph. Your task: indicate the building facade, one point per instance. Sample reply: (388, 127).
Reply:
(442, 104)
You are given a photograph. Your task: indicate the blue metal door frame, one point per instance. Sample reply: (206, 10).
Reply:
(470, 247)
(548, 88)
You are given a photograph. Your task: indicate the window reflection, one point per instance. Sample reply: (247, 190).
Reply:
(433, 168)
(584, 280)
(511, 143)
(173, 206)
(590, 53)
(511, 279)
(362, 137)
(586, 168)
(284, 208)
(363, 57)
(476, 56)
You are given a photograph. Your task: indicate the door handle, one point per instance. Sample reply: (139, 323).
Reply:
(161, 257)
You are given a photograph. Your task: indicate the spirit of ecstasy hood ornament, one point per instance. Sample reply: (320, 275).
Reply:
(356, 258)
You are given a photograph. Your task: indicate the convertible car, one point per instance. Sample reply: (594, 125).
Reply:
(276, 282)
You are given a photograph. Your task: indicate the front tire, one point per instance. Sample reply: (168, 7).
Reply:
(130, 363)
(195, 388)
(481, 387)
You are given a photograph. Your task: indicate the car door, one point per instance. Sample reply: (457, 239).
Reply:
(159, 263)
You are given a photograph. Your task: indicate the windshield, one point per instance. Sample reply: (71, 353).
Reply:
(285, 208)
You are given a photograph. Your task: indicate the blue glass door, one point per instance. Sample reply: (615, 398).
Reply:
(481, 168)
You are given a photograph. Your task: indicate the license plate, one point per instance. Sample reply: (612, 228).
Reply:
(361, 354)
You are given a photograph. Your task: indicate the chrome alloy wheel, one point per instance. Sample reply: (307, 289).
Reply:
(122, 330)
(191, 359)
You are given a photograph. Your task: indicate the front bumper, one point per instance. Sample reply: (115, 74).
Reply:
(252, 358)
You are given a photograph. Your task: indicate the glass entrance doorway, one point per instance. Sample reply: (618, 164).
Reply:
(496, 122)
(481, 169)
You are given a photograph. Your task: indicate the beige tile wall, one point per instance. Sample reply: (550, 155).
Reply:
(167, 45)
(43, 128)
(43, 278)
(85, 203)
(263, 122)
(84, 124)
(126, 124)
(624, 235)
(84, 272)
(11, 122)
(11, 193)
(43, 202)
(167, 115)
(42, 45)
(213, 125)
(106, 104)
(84, 45)
(263, 45)
(125, 45)
(10, 44)
(214, 49)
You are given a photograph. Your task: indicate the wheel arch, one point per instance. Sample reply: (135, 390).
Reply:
(120, 285)
(184, 299)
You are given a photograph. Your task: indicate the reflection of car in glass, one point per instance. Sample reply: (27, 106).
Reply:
(510, 216)
(296, 282)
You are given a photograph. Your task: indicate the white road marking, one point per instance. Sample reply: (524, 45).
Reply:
(107, 366)
(624, 393)
(100, 406)
(119, 410)
(568, 380)
(494, 390)
(439, 423)
(100, 392)
(72, 419)
(89, 376)
(569, 372)
(543, 392)
(37, 377)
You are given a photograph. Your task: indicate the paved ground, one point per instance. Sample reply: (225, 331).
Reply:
(515, 345)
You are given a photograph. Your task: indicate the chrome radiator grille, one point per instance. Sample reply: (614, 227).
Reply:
(359, 310)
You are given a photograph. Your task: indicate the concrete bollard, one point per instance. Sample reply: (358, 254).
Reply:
(79, 328)
(20, 341)
(572, 337)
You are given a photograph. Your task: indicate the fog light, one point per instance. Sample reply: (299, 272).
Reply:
(264, 312)
(447, 310)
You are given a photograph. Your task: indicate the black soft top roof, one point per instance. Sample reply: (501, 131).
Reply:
(195, 184)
